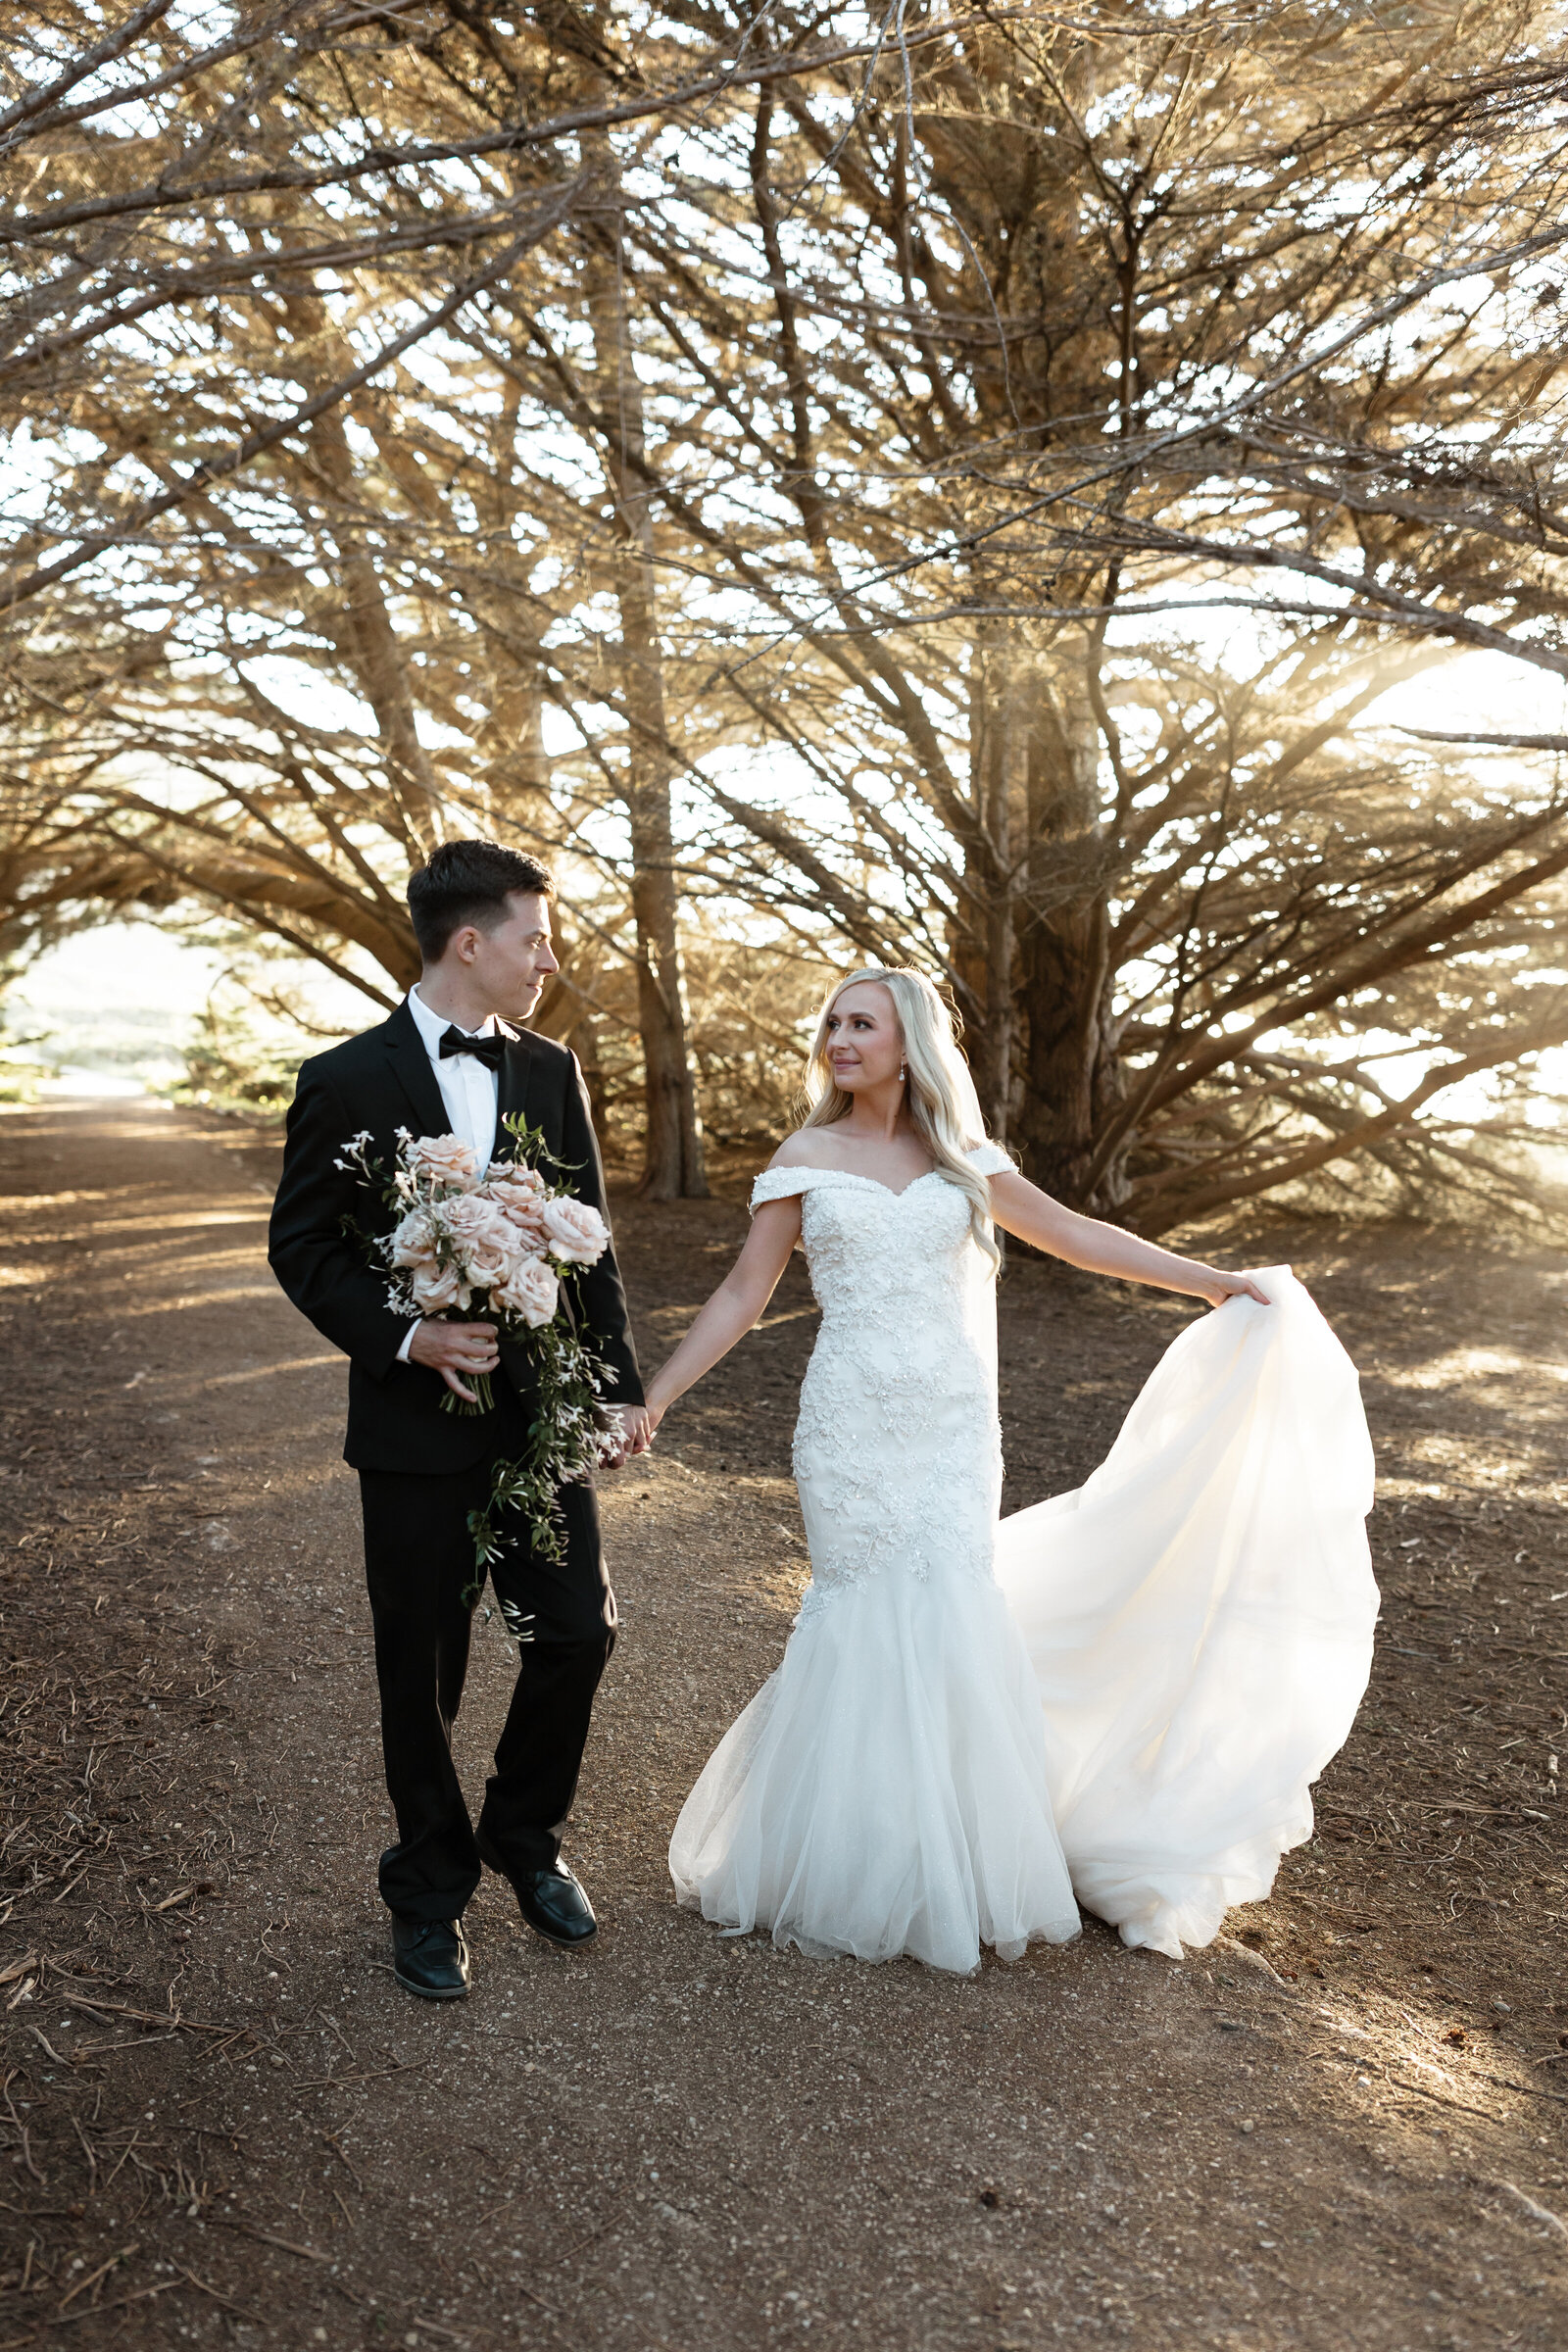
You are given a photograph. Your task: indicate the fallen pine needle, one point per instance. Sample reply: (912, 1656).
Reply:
(1537, 2213)
(98, 2311)
(518, 2287)
(1440, 2098)
(1345, 2058)
(102, 2272)
(228, 2305)
(343, 2081)
(556, 2260)
(158, 2017)
(1526, 2090)
(336, 2146)
(270, 2238)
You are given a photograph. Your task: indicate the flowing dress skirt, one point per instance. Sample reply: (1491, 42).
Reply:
(1128, 1715)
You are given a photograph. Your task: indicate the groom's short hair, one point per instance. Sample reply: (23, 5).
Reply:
(468, 882)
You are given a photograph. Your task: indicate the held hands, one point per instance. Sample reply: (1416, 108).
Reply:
(637, 1427)
(466, 1350)
(454, 1350)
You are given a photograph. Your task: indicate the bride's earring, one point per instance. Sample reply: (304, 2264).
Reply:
(900, 1073)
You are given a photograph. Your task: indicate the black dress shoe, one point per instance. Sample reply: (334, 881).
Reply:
(429, 1957)
(550, 1900)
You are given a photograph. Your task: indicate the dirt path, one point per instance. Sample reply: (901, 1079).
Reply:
(226, 2122)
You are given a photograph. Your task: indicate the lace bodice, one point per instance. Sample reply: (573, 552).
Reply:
(898, 1453)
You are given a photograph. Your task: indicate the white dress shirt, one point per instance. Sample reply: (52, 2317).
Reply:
(471, 1093)
(469, 1089)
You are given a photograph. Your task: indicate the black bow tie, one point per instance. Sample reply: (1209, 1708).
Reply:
(491, 1050)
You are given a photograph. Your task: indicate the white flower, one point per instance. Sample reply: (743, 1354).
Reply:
(574, 1231)
(353, 1156)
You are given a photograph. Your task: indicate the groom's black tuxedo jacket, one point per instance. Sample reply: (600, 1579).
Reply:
(382, 1081)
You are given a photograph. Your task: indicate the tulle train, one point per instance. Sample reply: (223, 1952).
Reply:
(1199, 1616)
(1134, 1713)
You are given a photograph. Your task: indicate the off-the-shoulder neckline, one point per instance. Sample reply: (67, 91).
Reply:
(804, 1167)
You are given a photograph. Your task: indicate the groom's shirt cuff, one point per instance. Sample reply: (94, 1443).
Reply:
(402, 1355)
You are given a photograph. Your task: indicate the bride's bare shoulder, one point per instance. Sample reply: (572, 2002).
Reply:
(801, 1149)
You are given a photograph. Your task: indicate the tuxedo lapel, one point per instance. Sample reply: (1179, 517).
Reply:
(409, 1065)
(511, 1092)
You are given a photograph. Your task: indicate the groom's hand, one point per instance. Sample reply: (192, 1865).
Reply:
(454, 1350)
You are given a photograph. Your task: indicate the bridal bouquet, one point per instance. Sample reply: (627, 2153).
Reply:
(492, 1247)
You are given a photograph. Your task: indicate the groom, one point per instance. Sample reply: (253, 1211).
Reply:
(447, 1062)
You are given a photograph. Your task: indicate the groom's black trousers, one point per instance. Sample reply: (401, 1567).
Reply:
(419, 1557)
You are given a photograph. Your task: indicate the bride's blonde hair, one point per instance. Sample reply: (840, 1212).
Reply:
(940, 1092)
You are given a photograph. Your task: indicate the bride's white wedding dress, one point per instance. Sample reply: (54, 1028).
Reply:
(1118, 1698)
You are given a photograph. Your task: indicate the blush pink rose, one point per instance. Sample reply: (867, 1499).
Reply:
(414, 1242)
(530, 1291)
(519, 1194)
(574, 1231)
(487, 1267)
(445, 1160)
(474, 1223)
(436, 1287)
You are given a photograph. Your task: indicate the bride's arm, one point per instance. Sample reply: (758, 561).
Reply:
(735, 1306)
(1023, 1208)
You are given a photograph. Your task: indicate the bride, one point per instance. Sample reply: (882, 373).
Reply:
(1117, 1698)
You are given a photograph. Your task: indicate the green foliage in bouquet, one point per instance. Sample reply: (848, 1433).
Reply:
(496, 1247)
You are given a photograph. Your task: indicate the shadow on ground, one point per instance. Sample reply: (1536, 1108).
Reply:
(1342, 2129)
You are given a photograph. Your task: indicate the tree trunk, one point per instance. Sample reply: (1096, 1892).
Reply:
(673, 1168)
(1070, 1072)
(999, 733)
(584, 1043)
